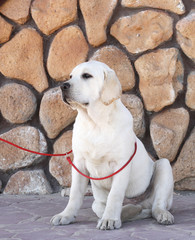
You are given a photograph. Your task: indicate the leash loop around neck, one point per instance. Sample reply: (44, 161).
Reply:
(109, 176)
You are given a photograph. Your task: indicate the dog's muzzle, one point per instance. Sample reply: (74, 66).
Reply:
(64, 88)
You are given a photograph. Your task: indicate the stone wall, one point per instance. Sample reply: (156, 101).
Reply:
(150, 45)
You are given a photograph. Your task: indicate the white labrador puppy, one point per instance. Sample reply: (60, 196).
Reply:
(103, 141)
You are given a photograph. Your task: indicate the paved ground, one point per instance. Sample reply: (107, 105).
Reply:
(27, 218)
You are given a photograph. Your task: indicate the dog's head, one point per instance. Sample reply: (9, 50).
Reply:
(90, 82)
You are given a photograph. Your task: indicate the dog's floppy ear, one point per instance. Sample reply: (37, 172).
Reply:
(111, 90)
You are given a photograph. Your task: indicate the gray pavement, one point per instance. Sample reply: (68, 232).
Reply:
(27, 217)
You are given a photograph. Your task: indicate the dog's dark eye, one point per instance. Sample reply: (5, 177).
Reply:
(86, 76)
(70, 76)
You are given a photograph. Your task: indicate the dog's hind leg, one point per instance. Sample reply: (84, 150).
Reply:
(158, 204)
(131, 212)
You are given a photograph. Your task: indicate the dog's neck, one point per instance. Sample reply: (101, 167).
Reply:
(98, 113)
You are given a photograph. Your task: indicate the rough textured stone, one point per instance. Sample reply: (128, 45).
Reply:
(59, 166)
(17, 103)
(186, 34)
(185, 184)
(28, 182)
(97, 15)
(167, 130)
(51, 15)
(184, 167)
(54, 114)
(190, 94)
(22, 58)
(27, 137)
(5, 30)
(119, 62)
(135, 106)
(68, 49)
(17, 11)
(161, 77)
(142, 31)
(175, 6)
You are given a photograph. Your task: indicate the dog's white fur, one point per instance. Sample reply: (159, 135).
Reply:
(103, 141)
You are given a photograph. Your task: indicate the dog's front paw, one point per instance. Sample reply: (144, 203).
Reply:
(165, 218)
(108, 224)
(61, 219)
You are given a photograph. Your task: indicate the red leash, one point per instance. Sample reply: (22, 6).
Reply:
(38, 153)
(111, 175)
(70, 162)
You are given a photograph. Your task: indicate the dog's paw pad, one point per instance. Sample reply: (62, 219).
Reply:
(59, 219)
(165, 218)
(108, 224)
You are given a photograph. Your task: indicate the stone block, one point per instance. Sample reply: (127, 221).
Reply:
(119, 62)
(12, 158)
(54, 113)
(186, 34)
(5, 30)
(22, 58)
(97, 15)
(161, 77)
(186, 184)
(28, 183)
(184, 167)
(17, 103)
(175, 6)
(50, 15)
(167, 130)
(18, 11)
(68, 49)
(190, 94)
(143, 31)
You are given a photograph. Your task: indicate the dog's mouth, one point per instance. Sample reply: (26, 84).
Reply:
(69, 101)
(65, 98)
(66, 101)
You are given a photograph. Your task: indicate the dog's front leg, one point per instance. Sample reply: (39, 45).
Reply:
(78, 188)
(111, 218)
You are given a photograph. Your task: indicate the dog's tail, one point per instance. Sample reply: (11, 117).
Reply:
(132, 212)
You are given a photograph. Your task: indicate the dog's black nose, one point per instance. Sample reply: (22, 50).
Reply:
(65, 86)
